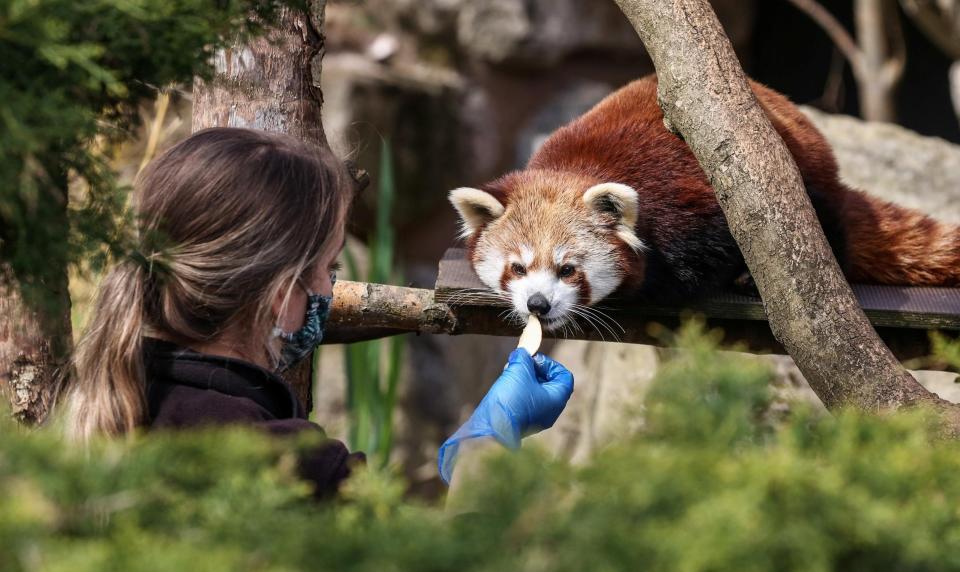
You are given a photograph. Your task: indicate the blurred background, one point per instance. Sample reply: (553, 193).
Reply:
(430, 95)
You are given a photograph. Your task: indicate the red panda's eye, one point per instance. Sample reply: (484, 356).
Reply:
(518, 269)
(566, 271)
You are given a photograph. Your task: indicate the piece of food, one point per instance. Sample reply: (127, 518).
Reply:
(532, 335)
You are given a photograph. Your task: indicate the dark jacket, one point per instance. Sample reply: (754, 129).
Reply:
(188, 389)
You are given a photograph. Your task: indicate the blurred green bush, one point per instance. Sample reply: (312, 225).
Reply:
(714, 479)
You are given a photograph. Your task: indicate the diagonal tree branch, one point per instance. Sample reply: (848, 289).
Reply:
(706, 100)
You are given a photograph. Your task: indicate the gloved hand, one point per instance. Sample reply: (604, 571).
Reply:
(527, 398)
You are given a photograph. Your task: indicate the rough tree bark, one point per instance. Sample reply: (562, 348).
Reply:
(35, 339)
(706, 100)
(271, 83)
(34, 347)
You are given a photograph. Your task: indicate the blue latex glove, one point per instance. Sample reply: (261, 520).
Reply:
(527, 398)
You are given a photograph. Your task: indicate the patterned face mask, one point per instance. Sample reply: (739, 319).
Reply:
(297, 345)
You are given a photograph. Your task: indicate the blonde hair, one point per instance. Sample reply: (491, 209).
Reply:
(226, 219)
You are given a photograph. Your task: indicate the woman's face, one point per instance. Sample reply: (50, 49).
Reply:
(317, 280)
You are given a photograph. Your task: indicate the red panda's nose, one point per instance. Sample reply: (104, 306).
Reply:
(538, 304)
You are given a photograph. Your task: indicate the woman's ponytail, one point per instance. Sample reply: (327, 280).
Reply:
(107, 394)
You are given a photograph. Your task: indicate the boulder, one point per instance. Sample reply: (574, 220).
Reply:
(894, 163)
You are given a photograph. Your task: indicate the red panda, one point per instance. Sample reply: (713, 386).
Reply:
(615, 203)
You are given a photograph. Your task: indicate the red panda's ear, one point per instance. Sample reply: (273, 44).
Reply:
(477, 209)
(622, 202)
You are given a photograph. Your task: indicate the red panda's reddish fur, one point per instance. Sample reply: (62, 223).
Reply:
(623, 140)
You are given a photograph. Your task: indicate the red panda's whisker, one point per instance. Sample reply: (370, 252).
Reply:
(576, 325)
(580, 314)
(590, 320)
(603, 315)
(567, 327)
(593, 311)
(515, 317)
(588, 314)
(474, 296)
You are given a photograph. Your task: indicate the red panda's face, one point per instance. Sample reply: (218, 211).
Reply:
(550, 251)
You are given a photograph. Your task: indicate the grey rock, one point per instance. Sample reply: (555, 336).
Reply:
(894, 163)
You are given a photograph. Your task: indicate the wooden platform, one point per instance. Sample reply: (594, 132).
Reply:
(903, 316)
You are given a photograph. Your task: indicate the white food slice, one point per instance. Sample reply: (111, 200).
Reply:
(532, 335)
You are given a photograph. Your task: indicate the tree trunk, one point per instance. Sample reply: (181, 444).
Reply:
(35, 338)
(271, 83)
(34, 346)
(812, 311)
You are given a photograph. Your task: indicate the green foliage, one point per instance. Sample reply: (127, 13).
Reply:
(373, 367)
(945, 350)
(73, 75)
(708, 483)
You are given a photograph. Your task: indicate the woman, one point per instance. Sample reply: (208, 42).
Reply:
(239, 232)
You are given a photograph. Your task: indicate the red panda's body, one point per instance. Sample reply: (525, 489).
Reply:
(576, 192)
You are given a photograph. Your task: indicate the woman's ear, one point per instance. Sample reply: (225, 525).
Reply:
(289, 316)
(277, 305)
(621, 202)
(476, 208)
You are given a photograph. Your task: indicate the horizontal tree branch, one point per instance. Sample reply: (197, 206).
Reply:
(371, 311)
(377, 306)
